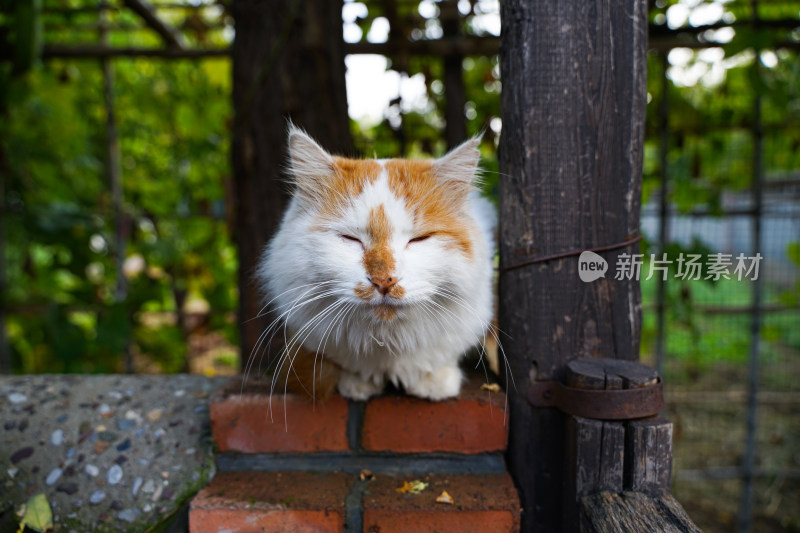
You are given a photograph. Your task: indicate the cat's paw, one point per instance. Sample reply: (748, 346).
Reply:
(356, 387)
(438, 385)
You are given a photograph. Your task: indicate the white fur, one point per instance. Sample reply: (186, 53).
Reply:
(310, 272)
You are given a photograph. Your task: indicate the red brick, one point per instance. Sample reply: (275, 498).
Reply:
(475, 422)
(245, 423)
(481, 503)
(271, 501)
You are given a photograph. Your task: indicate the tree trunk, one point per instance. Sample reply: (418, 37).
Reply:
(288, 63)
(573, 108)
(455, 96)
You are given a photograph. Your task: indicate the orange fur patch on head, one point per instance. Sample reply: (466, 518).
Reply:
(378, 257)
(378, 226)
(348, 180)
(379, 261)
(437, 202)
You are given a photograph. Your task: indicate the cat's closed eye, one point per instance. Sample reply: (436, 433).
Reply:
(420, 238)
(351, 238)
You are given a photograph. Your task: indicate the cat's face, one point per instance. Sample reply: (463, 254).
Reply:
(388, 233)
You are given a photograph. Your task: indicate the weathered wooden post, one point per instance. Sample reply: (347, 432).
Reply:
(288, 62)
(573, 109)
(615, 440)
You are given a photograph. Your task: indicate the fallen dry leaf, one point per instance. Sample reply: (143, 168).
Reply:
(413, 487)
(494, 387)
(36, 514)
(445, 498)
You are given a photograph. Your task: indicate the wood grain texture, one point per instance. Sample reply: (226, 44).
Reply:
(573, 106)
(648, 455)
(609, 374)
(595, 463)
(288, 62)
(634, 512)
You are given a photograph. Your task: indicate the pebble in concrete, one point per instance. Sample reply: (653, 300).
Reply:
(114, 475)
(128, 515)
(53, 476)
(17, 397)
(137, 484)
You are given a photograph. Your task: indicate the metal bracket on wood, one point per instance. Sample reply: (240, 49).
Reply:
(623, 404)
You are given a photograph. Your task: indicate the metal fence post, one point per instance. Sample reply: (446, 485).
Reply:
(748, 461)
(663, 214)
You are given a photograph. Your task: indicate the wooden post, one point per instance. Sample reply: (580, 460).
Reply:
(648, 455)
(288, 62)
(454, 91)
(606, 455)
(573, 108)
(633, 512)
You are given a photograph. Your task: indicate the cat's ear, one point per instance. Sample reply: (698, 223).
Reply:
(461, 163)
(308, 162)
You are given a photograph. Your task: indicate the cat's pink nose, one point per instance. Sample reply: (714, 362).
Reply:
(383, 283)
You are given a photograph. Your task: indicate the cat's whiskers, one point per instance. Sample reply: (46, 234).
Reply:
(341, 322)
(285, 324)
(292, 349)
(266, 305)
(283, 315)
(492, 329)
(482, 352)
(322, 345)
(261, 337)
(310, 323)
(295, 347)
(260, 340)
(426, 306)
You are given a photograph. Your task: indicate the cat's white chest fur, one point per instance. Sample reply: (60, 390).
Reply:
(383, 267)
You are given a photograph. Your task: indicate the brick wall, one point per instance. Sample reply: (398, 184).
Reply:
(288, 464)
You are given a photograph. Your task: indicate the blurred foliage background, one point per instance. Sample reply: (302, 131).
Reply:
(723, 107)
(61, 271)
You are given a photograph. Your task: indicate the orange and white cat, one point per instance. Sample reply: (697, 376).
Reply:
(383, 268)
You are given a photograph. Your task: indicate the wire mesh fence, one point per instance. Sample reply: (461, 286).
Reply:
(728, 347)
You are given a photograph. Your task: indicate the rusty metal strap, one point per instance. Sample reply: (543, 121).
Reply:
(624, 404)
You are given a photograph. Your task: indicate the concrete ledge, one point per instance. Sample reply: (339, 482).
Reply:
(110, 453)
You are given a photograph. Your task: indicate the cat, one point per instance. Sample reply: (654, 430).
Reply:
(381, 271)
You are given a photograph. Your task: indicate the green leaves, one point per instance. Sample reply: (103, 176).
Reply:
(61, 242)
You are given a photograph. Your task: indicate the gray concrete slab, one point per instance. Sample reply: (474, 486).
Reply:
(111, 453)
